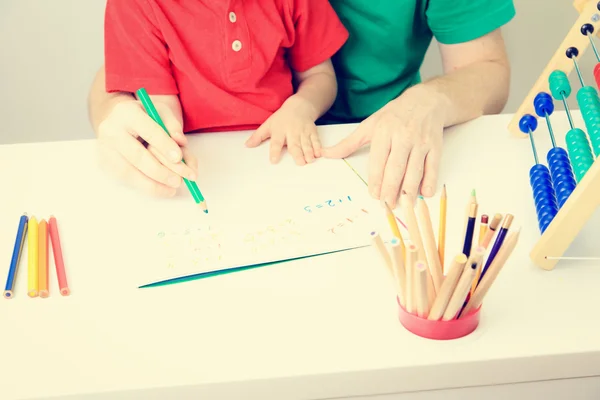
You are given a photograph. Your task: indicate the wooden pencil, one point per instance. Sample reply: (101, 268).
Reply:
(457, 300)
(468, 243)
(433, 257)
(380, 246)
(489, 234)
(398, 263)
(411, 256)
(394, 226)
(408, 208)
(43, 264)
(442, 227)
(32, 258)
(482, 228)
(494, 269)
(472, 200)
(421, 289)
(448, 286)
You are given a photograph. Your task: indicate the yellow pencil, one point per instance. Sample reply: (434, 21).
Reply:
(442, 227)
(32, 254)
(394, 226)
(43, 259)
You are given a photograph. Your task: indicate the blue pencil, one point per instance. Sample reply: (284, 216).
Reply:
(497, 244)
(14, 262)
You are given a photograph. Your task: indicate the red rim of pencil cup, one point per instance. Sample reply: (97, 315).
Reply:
(439, 330)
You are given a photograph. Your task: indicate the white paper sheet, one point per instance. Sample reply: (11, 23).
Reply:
(261, 212)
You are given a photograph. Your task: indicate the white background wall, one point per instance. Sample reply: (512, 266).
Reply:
(51, 49)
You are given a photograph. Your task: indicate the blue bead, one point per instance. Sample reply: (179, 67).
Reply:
(587, 28)
(572, 52)
(528, 123)
(543, 104)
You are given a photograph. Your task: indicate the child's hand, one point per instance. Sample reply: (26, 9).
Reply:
(293, 126)
(137, 150)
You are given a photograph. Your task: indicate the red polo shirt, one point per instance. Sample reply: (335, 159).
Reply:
(228, 60)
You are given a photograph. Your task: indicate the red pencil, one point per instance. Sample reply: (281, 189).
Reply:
(58, 257)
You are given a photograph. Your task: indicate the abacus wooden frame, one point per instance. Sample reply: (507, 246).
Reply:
(584, 200)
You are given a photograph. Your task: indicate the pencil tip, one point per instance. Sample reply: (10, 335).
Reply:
(473, 192)
(205, 211)
(420, 197)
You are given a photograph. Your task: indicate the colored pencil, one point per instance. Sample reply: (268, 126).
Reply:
(472, 200)
(497, 244)
(433, 257)
(408, 208)
(380, 246)
(32, 258)
(470, 230)
(489, 234)
(442, 227)
(394, 226)
(482, 228)
(411, 256)
(421, 289)
(43, 259)
(493, 271)
(448, 286)
(61, 276)
(151, 110)
(16, 257)
(462, 287)
(398, 263)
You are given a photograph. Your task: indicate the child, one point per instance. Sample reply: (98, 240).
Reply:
(230, 65)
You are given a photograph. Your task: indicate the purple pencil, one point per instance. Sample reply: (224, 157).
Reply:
(497, 244)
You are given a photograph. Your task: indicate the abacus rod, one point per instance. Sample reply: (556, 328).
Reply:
(550, 130)
(535, 156)
(593, 46)
(578, 71)
(564, 100)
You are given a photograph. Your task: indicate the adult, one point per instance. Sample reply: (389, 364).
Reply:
(379, 84)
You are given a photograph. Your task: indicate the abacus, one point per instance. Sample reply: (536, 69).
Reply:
(566, 192)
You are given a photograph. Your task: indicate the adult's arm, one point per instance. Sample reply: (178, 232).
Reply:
(406, 134)
(476, 78)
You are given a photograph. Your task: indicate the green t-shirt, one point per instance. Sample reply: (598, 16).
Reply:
(387, 44)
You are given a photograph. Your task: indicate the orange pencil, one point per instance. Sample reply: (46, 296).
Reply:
(43, 259)
(58, 257)
(489, 234)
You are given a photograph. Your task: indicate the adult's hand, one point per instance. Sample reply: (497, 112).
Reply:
(406, 144)
(137, 150)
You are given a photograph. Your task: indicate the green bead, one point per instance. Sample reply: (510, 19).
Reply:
(579, 151)
(559, 85)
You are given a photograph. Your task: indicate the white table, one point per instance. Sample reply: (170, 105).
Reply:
(315, 329)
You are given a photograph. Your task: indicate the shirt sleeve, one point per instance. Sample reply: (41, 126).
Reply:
(135, 53)
(466, 20)
(319, 33)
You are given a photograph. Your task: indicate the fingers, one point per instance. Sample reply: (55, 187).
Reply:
(117, 166)
(395, 170)
(307, 148)
(316, 143)
(141, 158)
(414, 171)
(294, 148)
(142, 125)
(351, 143)
(430, 174)
(187, 170)
(378, 156)
(259, 135)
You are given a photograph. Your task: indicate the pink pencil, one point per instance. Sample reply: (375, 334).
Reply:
(58, 257)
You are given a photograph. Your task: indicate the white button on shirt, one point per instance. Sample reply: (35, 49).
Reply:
(232, 17)
(236, 45)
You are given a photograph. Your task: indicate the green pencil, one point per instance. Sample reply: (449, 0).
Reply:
(151, 110)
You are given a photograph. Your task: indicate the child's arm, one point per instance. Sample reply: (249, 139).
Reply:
(317, 89)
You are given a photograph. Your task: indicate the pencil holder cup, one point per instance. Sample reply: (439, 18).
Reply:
(438, 330)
